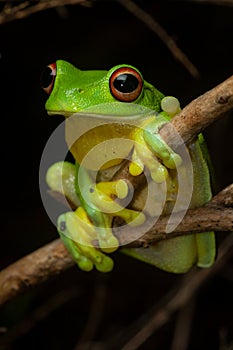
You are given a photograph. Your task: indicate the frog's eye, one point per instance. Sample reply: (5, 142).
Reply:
(126, 84)
(47, 78)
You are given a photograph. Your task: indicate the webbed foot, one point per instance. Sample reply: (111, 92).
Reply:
(152, 151)
(78, 234)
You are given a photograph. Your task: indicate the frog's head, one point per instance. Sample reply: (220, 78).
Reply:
(101, 92)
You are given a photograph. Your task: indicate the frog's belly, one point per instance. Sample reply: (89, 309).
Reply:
(102, 146)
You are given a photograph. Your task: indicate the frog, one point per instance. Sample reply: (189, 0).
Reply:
(119, 115)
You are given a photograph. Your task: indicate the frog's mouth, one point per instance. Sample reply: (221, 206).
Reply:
(130, 111)
(60, 112)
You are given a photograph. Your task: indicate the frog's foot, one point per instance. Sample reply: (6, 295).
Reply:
(152, 151)
(106, 195)
(78, 234)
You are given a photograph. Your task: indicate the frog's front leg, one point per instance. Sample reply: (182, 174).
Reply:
(151, 150)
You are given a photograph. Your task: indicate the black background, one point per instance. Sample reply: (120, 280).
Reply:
(99, 37)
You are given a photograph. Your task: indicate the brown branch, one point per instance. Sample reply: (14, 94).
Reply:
(183, 326)
(33, 269)
(213, 216)
(199, 114)
(53, 258)
(11, 13)
(214, 2)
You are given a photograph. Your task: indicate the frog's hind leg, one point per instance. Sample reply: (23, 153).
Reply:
(176, 255)
(179, 254)
(87, 231)
(78, 235)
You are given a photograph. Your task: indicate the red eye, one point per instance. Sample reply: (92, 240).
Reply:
(126, 84)
(48, 77)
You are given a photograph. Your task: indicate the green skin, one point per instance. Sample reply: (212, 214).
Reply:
(88, 92)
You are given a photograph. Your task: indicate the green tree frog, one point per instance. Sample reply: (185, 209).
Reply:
(109, 133)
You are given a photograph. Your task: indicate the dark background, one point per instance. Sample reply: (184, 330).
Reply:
(55, 315)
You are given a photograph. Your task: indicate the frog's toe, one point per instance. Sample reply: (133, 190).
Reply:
(85, 264)
(136, 166)
(101, 261)
(106, 264)
(94, 257)
(171, 160)
(103, 195)
(117, 188)
(157, 170)
(170, 105)
(132, 217)
(161, 150)
(107, 242)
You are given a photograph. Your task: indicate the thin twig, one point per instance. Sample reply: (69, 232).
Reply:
(183, 326)
(95, 316)
(21, 11)
(213, 2)
(39, 314)
(162, 34)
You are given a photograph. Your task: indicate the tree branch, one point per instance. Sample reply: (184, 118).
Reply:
(151, 23)
(33, 269)
(25, 9)
(53, 258)
(199, 114)
(217, 215)
(213, 2)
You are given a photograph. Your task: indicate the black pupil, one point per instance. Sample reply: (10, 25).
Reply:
(46, 77)
(126, 83)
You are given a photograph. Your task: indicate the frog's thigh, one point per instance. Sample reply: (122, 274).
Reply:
(175, 255)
